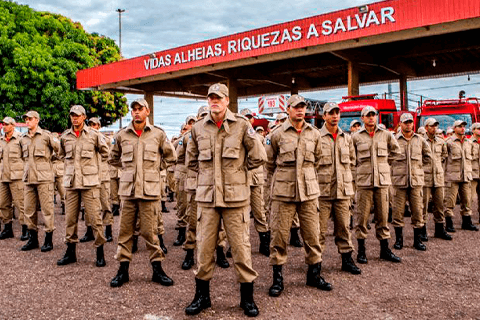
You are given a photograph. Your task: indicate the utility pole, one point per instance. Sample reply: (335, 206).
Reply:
(120, 40)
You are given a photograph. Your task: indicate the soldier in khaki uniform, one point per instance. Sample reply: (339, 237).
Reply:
(222, 148)
(335, 184)
(458, 175)
(476, 163)
(434, 180)
(82, 149)
(58, 171)
(407, 181)
(373, 148)
(38, 146)
(140, 149)
(354, 126)
(11, 184)
(294, 151)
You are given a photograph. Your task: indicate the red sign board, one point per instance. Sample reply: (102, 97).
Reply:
(368, 20)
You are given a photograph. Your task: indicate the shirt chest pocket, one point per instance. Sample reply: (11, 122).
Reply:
(231, 148)
(69, 146)
(40, 150)
(326, 154)
(456, 153)
(127, 153)
(382, 150)
(150, 152)
(204, 149)
(438, 149)
(25, 150)
(87, 152)
(310, 151)
(287, 152)
(363, 151)
(345, 155)
(416, 153)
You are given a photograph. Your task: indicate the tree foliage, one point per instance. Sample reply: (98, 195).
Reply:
(40, 54)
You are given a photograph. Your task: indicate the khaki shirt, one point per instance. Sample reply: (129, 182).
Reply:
(82, 157)
(11, 162)
(104, 167)
(407, 165)
(222, 157)
(140, 159)
(475, 158)
(181, 168)
(458, 167)
(37, 153)
(255, 176)
(334, 169)
(292, 159)
(372, 154)
(433, 168)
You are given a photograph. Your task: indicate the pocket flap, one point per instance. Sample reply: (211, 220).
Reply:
(90, 170)
(127, 176)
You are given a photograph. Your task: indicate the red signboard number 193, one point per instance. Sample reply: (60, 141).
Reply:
(271, 103)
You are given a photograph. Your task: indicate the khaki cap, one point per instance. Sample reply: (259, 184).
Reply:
(354, 122)
(421, 130)
(271, 124)
(182, 127)
(259, 128)
(219, 89)
(281, 116)
(141, 102)
(405, 117)
(246, 112)
(431, 122)
(31, 114)
(94, 120)
(476, 125)
(295, 100)
(329, 106)
(190, 118)
(459, 123)
(203, 110)
(449, 130)
(78, 110)
(367, 110)
(8, 120)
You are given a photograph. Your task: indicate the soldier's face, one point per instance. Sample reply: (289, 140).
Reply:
(95, 126)
(31, 122)
(460, 130)
(355, 127)
(332, 117)
(140, 113)
(407, 126)
(431, 130)
(8, 128)
(370, 119)
(217, 104)
(77, 119)
(297, 113)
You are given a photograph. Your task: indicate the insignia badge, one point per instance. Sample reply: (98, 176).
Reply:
(216, 87)
(180, 142)
(268, 142)
(251, 132)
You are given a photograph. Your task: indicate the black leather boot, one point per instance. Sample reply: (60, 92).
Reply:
(24, 235)
(88, 236)
(70, 255)
(246, 299)
(159, 275)
(449, 224)
(423, 233)
(164, 207)
(277, 286)
(264, 243)
(362, 252)
(48, 244)
(467, 224)
(398, 238)
(122, 275)
(135, 244)
(32, 242)
(417, 241)
(108, 233)
(441, 233)
(189, 260)
(295, 239)
(314, 279)
(386, 253)
(162, 244)
(201, 301)
(181, 237)
(7, 231)
(222, 261)
(348, 265)
(116, 210)
(100, 261)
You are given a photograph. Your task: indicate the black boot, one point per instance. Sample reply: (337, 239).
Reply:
(135, 244)
(441, 233)
(116, 210)
(189, 260)
(277, 286)
(159, 275)
(100, 262)
(362, 252)
(122, 275)
(229, 253)
(82, 212)
(181, 237)
(423, 233)
(164, 207)
(264, 243)
(162, 244)
(449, 224)
(390, 215)
(48, 244)
(467, 224)
(246, 299)
(348, 265)
(70, 255)
(294, 238)
(386, 253)
(88, 236)
(63, 209)
(7, 231)
(108, 233)
(32, 242)
(315, 280)
(222, 262)
(24, 235)
(201, 301)
(417, 241)
(407, 213)
(398, 238)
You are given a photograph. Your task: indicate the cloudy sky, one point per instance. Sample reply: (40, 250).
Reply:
(150, 26)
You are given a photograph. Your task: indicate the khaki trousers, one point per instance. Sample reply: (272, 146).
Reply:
(144, 211)
(160, 227)
(415, 199)
(340, 209)
(475, 192)
(106, 204)
(464, 190)
(378, 198)
(91, 201)
(60, 188)
(171, 181)
(11, 193)
(258, 209)
(114, 191)
(181, 202)
(43, 194)
(237, 227)
(282, 216)
(437, 199)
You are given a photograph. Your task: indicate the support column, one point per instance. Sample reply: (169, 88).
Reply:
(149, 97)
(232, 85)
(353, 79)
(403, 93)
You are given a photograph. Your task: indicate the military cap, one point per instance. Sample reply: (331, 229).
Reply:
(329, 106)
(8, 120)
(354, 122)
(476, 125)
(259, 128)
(141, 102)
(459, 123)
(219, 89)
(203, 110)
(367, 110)
(431, 122)
(406, 117)
(94, 120)
(295, 100)
(246, 112)
(190, 118)
(281, 116)
(31, 114)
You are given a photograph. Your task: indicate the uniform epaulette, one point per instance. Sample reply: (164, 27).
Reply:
(241, 116)
(158, 127)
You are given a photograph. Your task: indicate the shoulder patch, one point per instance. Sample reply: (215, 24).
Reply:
(180, 142)
(251, 132)
(268, 142)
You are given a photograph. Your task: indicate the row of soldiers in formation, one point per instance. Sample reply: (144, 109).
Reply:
(222, 170)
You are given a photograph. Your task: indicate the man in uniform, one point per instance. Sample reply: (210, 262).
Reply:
(140, 149)
(293, 152)
(407, 180)
(458, 174)
(38, 146)
(476, 163)
(11, 184)
(373, 148)
(222, 147)
(355, 125)
(434, 180)
(335, 182)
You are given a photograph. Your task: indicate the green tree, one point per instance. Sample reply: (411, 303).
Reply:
(40, 54)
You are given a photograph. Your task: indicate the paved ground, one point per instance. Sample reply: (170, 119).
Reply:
(441, 283)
